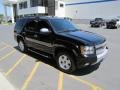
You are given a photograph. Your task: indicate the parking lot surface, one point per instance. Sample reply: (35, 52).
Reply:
(30, 71)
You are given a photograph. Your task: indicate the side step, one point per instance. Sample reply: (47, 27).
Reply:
(39, 53)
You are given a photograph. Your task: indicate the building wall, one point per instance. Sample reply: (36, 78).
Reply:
(89, 9)
(30, 10)
(60, 11)
(52, 9)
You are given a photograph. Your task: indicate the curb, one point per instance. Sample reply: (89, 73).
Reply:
(5, 84)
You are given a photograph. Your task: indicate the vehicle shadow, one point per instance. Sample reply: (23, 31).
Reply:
(51, 62)
(40, 58)
(110, 28)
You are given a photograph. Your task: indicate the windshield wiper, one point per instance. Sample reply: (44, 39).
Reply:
(63, 31)
(74, 30)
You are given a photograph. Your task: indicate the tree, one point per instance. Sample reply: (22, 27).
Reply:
(1, 16)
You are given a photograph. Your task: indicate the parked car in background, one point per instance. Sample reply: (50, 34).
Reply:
(9, 21)
(68, 18)
(97, 22)
(113, 24)
(118, 24)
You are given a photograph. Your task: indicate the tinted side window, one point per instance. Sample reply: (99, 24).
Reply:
(31, 26)
(43, 24)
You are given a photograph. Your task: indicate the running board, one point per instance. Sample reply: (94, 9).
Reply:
(39, 53)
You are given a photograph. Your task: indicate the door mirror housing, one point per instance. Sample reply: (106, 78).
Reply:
(45, 31)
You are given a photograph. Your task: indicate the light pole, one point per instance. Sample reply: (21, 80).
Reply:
(12, 13)
(6, 17)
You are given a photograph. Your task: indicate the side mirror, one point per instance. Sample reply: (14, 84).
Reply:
(45, 31)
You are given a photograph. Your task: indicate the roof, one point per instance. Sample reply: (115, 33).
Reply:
(41, 17)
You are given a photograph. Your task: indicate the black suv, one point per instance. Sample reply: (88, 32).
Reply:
(97, 22)
(70, 47)
(112, 24)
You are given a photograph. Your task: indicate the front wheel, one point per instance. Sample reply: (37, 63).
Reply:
(65, 62)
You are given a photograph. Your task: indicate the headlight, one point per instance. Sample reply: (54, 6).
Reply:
(87, 50)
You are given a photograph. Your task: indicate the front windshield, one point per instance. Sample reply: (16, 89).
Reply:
(62, 25)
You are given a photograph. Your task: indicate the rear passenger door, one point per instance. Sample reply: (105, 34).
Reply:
(37, 40)
(30, 31)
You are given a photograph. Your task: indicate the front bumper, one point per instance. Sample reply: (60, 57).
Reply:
(92, 60)
(100, 57)
(111, 26)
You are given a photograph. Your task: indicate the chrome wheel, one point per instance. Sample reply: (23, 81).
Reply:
(21, 46)
(64, 62)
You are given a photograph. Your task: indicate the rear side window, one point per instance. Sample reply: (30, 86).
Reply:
(31, 26)
(19, 25)
(35, 26)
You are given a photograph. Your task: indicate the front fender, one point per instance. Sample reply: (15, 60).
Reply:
(71, 49)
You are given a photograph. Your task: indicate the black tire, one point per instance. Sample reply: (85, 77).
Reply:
(22, 46)
(70, 58)
(99, 25)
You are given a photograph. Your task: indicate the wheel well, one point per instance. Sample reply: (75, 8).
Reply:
(58, 50)
(19, 38)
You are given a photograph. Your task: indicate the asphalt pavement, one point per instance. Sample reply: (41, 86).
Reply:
(30, 71)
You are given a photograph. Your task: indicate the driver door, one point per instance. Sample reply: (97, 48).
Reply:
(44, 39)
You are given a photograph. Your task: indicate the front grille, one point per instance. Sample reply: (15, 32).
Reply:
(100, 48)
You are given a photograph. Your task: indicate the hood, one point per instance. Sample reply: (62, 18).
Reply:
(85, 37)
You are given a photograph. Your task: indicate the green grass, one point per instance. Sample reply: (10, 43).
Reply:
(6, 23)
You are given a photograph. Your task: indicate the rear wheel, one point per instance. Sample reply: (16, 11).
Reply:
(22, 46)
(65, 62)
